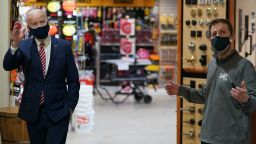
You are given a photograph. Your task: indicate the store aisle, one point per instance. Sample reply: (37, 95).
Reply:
(131, 122)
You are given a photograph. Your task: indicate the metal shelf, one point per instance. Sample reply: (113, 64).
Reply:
(168, 47)
(171, 31)
(144, 44)
(109, 44)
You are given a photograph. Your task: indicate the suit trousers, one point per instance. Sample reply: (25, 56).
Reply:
(45, 131)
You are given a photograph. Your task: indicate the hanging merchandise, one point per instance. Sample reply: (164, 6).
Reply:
(154, 57)
(142, 53)
(69, 30)
(69, 6)
(146, 11)
(144, 36)
(53, 29)
(54, 18)
(53, 6)
(127, 46)
(79, 20)
(127, 27)
(88, 49)
(110, 35)
(79, 46)
(16, 87)
(85, 49)
(69, 21)
(154, 68)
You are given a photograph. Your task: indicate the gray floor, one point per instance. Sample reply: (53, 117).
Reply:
(131, 122)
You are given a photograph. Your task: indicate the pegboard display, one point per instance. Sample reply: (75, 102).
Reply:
(188, 122)
(196, 47)
(194, 55)
(192, 114)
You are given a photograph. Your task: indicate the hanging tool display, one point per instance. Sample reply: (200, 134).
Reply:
(192, 113)
(196, 53)
(197, 14)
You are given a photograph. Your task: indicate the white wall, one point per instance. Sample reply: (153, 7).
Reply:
(4, 44)
(247, 7)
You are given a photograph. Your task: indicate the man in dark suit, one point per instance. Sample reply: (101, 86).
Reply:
(51, 87)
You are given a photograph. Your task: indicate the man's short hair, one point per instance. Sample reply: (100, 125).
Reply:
(33, 9)
(216, 21)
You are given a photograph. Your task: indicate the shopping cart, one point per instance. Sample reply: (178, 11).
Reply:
(133, 79)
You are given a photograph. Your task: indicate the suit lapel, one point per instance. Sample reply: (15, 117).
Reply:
(54, 51)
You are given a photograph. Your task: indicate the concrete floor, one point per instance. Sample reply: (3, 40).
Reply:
(131, 122)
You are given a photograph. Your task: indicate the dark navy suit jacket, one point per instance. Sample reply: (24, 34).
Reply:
(61, 84)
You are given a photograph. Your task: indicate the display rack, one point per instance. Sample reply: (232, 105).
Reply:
(167, 48)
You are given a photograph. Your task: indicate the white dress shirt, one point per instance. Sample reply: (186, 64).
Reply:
(47, 50)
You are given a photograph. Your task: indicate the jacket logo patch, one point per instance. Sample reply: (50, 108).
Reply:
(223, 76)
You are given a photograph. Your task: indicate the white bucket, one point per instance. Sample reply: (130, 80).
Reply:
(83, 123)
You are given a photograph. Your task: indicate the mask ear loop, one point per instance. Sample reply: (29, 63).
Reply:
(231, 39)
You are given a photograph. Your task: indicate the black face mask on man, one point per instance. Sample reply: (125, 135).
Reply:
(40, 32)
(219, 44)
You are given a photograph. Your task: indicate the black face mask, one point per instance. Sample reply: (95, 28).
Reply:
(40, 32)
(219, 44)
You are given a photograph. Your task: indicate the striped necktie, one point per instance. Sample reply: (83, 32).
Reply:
(43, 61)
